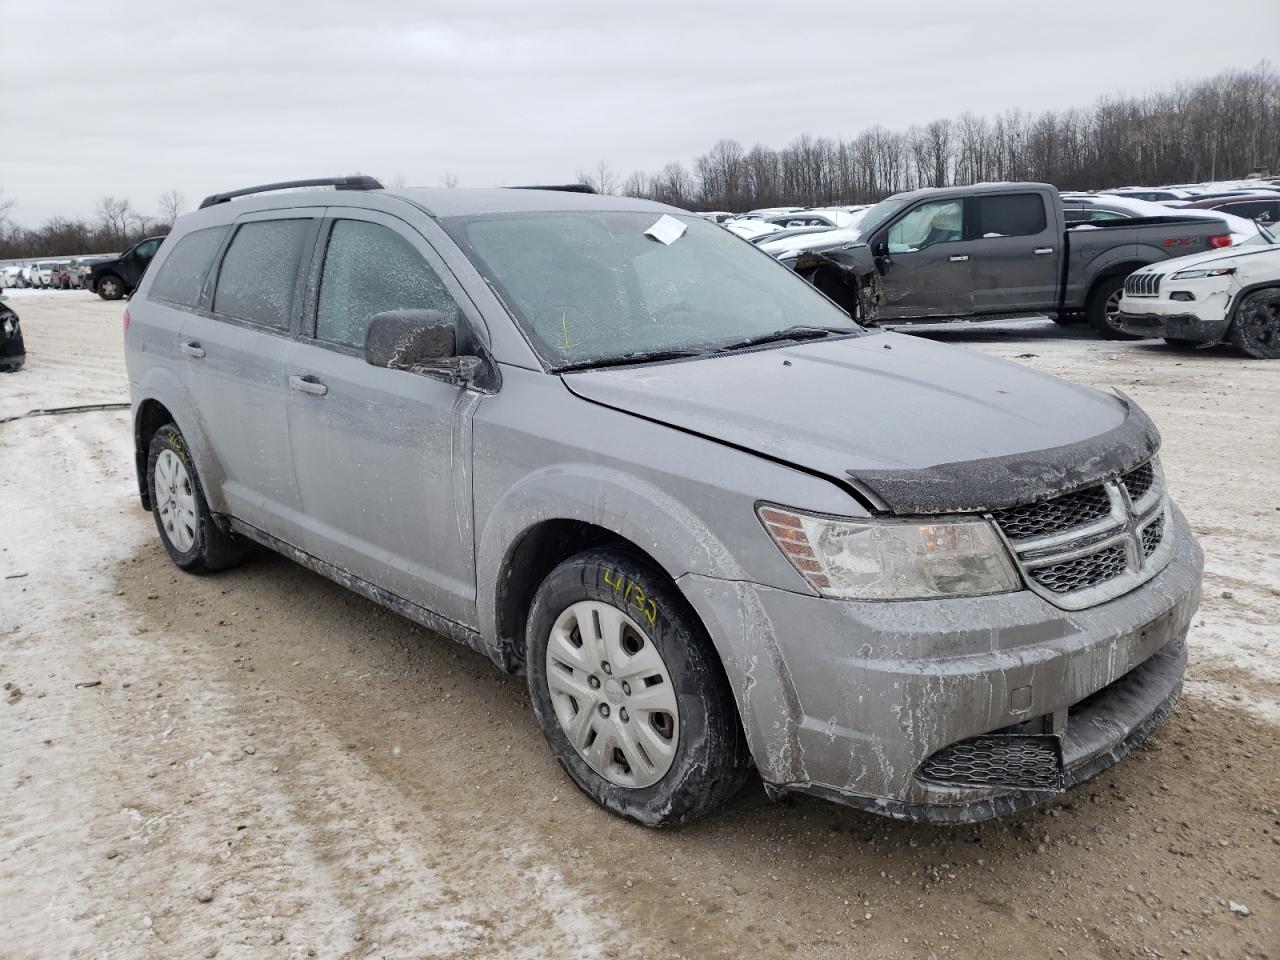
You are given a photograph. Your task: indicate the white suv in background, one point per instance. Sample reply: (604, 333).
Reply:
(1221, 295)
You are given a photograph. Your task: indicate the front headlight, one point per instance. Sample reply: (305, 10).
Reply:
(892, 560)
(1199, 273)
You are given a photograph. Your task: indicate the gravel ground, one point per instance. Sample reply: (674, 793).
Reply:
(259, 764)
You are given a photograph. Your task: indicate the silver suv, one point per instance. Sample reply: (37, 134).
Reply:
(719, 526)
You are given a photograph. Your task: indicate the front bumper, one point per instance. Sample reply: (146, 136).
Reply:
(1176, 326)
(847, 700)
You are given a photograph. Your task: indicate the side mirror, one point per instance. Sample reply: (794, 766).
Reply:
(418, 341)
(880, 247)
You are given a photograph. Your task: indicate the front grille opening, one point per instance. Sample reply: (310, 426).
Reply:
(1054, 516)
(998, 760)
(1138, 482)
(1083, 572)
(1152, 535)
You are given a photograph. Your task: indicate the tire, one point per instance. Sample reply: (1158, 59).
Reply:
(110, 287)
(1068, 319)
(187, 529)
(1102, 307)
(685, 753)
(1255, 331)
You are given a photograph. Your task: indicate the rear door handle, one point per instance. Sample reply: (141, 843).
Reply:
(192, 349)
(1043, 251)
(958, 258)
(308, 384)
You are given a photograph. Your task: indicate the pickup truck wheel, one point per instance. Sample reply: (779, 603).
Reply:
(188, 530)
(110, 287)
(1103, 309)
(1256, 329)
(629, 691)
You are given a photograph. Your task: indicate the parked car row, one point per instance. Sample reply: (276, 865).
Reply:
(69, 274)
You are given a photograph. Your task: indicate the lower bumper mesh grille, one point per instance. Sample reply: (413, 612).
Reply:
(998, 760)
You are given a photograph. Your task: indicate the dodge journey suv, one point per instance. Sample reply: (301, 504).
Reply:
(718, 526)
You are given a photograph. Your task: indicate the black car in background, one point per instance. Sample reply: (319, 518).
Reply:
(12, 351)
(113, 279)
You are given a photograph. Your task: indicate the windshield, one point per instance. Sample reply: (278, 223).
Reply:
(874, 218)
(593, 286)
(1266, 233)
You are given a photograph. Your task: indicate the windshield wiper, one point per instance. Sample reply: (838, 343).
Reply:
(638, 356)
(800, 332)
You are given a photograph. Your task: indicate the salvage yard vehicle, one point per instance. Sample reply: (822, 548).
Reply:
(117, 277)
(993, 251)
(1222, 296)
(718, 525)
(13, 352)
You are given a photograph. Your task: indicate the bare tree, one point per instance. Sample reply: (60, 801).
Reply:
(602, 179)
(398, 182)
(449, 181)
(114, 215)
(171, 205)
(6, 209)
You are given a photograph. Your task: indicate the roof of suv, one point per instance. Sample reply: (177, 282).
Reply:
(439, 202)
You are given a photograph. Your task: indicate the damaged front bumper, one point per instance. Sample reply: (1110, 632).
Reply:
(949, 711)
(1175, 326)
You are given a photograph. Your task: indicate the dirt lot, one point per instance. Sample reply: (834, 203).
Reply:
(258, 764)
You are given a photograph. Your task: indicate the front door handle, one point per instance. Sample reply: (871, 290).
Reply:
(193, 349)
(958, 258)
(1043, 251)
(308, 384)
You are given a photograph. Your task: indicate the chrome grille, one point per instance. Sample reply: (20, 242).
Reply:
(1092, 545)
(994, 760)
(1142, 285)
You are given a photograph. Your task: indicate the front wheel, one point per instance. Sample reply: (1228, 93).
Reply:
(1256, 329)
(630, 693)
(188, 530)
(1103, 309)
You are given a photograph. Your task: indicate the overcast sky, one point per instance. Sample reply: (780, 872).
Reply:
(133, 99)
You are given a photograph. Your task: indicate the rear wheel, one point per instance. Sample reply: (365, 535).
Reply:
(1256, 328)
(630, 693)
(110, 287)
(1103, 309)
(188, 530)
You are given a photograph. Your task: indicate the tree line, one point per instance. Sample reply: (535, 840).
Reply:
(115, 226)
(1221, 128)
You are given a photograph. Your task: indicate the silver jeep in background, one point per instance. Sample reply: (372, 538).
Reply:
(718, 525)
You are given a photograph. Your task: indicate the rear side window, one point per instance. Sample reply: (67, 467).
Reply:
(369, 268)
(182, 274)
(260, 270)
(1012, 215)
(1252, 209)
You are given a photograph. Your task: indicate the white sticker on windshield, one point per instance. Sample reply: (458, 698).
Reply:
(667, 229)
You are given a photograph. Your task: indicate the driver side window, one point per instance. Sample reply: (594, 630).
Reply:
(929, 223)
(147, 250)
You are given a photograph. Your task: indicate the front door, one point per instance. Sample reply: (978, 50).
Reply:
(137, 260)
(1015, 254)
(235, 354)
(382, 456)
(924, 263)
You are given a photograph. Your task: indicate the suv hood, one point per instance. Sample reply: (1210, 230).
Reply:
(1170, 267)
(912, 425)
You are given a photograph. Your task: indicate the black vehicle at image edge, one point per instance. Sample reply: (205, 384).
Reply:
(12, 351)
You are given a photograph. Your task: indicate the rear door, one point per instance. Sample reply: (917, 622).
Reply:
(924, 262)
(235, 353)
(1016, 260)
(382, 456)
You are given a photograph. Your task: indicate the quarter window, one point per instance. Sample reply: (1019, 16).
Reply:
(1011, 215)
(182, 273)
(927, 224)
(368, 269)
(260, 270)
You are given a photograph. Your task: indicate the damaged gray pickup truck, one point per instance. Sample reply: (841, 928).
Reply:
(719, 526)
(992, 251)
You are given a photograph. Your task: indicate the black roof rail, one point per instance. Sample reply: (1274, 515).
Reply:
(562, 187)
(354, 182)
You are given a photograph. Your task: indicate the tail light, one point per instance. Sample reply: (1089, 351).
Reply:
(1220, 241)
(126, 320)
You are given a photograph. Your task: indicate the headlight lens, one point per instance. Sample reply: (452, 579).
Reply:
(1199, 273)
(877, 560)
